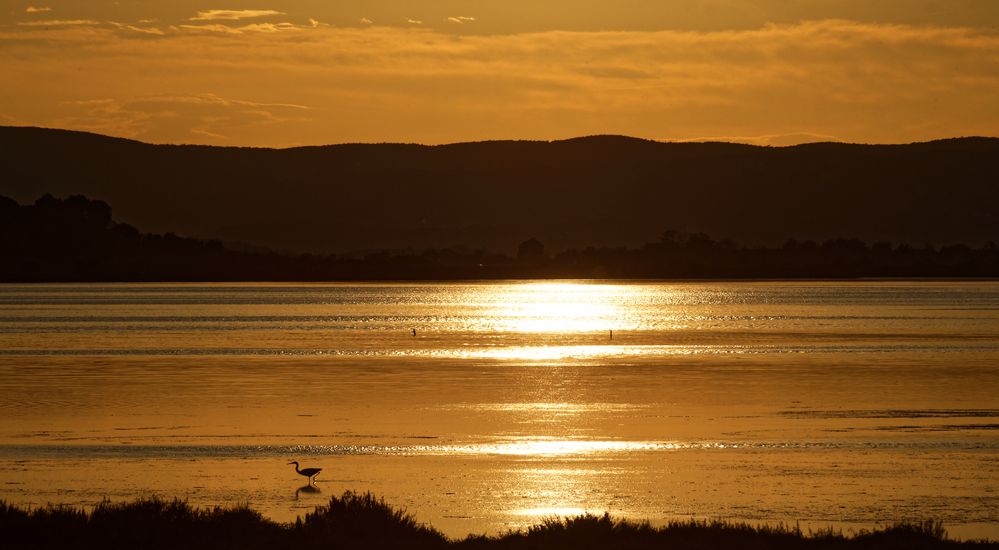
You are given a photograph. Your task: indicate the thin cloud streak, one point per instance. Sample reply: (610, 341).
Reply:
(214, 15)
(58, 23)
(774, 140)
(219, 28)
(180, 118)
(143, 30)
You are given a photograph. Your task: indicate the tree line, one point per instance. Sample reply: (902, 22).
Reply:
(76, 239)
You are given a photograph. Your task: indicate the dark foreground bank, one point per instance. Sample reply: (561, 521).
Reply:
(362, 521)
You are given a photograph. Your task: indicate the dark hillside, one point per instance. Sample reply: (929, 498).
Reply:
(602, 190)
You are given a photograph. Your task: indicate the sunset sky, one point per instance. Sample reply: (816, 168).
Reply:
(307, 72)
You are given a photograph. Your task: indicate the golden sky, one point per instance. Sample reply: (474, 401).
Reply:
(308, 72)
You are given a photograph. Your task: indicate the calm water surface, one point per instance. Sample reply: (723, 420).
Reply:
(843, 404)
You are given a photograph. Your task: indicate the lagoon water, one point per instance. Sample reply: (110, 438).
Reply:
(848, 404)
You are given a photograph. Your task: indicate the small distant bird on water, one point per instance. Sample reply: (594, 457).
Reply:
(308, 472)
(414, 332)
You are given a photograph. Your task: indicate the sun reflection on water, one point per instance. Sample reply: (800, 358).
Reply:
(556, 490)
(557, 353)
(542, 353)
(558, 307)
(553, 447)
(549, 511)
(551, 353)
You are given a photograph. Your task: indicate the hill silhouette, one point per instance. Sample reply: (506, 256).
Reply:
(599, 191)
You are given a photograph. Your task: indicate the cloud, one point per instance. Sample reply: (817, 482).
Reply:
(772, 140)
(142, 30)
(269, 27)
(213, 99)
(218, 28)
(58, 23)
(461, 19)
(614, 72)
(775, 84)
(214, 28)
(179, 118)
(34, 9)
(213, 15)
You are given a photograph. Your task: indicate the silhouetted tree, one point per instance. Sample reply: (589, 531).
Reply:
(531, 249)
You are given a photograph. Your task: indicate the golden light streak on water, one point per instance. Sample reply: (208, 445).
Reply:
(547, 491)
(554, 353)
(560, 511)
(560, 447)
(558, 307)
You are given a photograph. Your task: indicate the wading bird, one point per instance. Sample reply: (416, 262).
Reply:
(308, 472)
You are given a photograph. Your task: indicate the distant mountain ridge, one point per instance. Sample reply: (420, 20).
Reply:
(598, 190)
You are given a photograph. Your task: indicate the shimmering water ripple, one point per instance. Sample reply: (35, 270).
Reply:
(519, 448)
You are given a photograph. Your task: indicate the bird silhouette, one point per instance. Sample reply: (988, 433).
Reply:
(307, 472)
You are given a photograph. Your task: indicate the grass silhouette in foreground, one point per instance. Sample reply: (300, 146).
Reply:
(363, 521)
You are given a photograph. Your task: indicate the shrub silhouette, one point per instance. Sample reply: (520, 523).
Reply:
(354, 520)
(364, 522)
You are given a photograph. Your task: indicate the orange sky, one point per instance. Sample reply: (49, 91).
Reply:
(300, 72)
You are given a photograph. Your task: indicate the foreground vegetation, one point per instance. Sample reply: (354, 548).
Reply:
(362, 521)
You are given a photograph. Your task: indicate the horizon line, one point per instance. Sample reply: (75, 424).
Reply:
(742, 141)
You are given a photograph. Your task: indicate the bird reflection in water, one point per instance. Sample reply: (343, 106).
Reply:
(309, 489)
